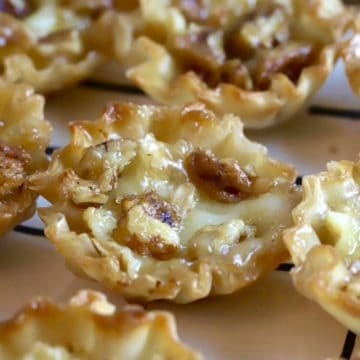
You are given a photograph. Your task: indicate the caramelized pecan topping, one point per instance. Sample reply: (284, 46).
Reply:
(222, 180)
(154, 206)
(126, 5)
(288, 59)
(138, 231)
(265, 27)
(155, 247)
(200, 52)
(104, 163)
(12, 168)
(235, 72)
(17, 8)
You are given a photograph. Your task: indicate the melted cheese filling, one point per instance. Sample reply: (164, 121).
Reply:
(159, 167)
(341, 217)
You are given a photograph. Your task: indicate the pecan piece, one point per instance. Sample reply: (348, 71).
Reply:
(154, 247)
(265, 27)
(201, 52)
(154, 206)
(12, 168)
(288, 59)
(236, 73)
(148, 225)
(104, 163)
(222, 180)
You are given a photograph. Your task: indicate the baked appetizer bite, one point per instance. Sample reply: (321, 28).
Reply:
(43, 43)
(90, 328)
(24, 135)
(324, 244)
(262, 64)
(166, 203)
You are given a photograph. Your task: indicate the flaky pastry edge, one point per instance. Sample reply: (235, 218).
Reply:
(320, 272)
(155, 331)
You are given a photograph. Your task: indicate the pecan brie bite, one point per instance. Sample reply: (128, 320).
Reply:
(44, 43)
(90, 328)
(324, 243)
(24, 135)
(262, 64)
(166, 202)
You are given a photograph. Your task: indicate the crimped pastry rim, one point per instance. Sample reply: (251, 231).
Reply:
(318, 265)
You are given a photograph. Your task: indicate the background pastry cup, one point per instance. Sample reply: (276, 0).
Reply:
(324, 241)
(47, 46)
(157, 71)
(161, 78)
(24, 135)
(91, 326)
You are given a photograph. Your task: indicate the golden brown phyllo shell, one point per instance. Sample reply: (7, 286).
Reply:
(44, 43)
(351, 56)
(324, 244)
(262, 63)
(24, 135)
(166, 202)
(90, 328)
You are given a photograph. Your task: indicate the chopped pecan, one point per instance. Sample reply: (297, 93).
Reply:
(155, 247)
(126, 5)
(82, 192)
(17, 8)
(104, 162)
(154, 206)
(200, 52)
(265, 27)
(222, 180)
(235, 72)
(12, 168)
(288, 59)
(148, 224)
